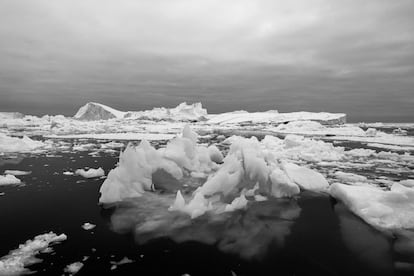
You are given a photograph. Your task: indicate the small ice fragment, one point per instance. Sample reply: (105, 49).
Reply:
(88, 226)
(68, 173)
(124, 260)
(74, 268)
(91, 173)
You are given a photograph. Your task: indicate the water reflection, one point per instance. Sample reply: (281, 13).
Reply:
(368, 245)
(248, 233)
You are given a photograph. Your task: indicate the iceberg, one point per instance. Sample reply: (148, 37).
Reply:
(274, 117)
(137, 165)
(182, 112)
(96, 111)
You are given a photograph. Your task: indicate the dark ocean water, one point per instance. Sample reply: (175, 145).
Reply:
(309, 235)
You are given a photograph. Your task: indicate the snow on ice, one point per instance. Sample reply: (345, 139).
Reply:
(17, 260)
(9, 179)
(91, 173)
(391, 209)
(15, 144)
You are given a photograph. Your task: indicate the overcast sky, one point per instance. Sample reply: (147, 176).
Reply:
(348, 56)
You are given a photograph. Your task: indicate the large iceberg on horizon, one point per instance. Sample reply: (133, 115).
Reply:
(96, 111)
(182, 112)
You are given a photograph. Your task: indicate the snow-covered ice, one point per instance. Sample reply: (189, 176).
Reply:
(96, 111)
(9, 179)
(17, 172)
(91, 173)
(17, 260)
(88, 226)
(382, 209)
(15, 144)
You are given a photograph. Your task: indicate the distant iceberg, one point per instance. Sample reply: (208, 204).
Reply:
(96, 111)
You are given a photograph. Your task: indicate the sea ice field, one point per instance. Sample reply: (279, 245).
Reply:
(179, 191)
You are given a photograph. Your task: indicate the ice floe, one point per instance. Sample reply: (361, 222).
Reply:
(17, 172)
(16, 262)
(9, 179)
(73, 268)
(88, 226)
(91, 173)
(391, 209)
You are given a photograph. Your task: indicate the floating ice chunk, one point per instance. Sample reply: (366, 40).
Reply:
(306, 178)
(14, 144)
(16, 172)
(9, 179)
(91, 173)
(68, 173)
(350, 177)
(88, 226)
(124, 260)
(282, 185)
(382, 209)
(16, 261)
(238, 203)
(73, 268)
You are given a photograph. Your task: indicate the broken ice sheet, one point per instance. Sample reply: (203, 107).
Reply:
(248, 233)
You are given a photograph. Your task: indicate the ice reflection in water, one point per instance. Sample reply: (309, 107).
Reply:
(367, 244)
(248, 233)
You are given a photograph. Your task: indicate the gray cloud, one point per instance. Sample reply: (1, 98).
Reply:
(345, 55)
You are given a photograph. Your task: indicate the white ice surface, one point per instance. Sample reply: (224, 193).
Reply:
(116, 136)
(15, 144)
(88, 226)
(17, 172)
(73, 268)
(91, 173)
(9, 179)
(16, 261)
(382, 209)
